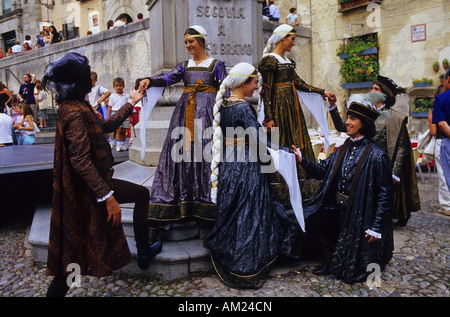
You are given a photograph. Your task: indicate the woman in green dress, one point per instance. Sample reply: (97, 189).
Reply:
(279, 84)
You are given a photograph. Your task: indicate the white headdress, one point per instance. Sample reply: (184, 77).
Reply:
(237, 76)
(203, 34)
(278, 34)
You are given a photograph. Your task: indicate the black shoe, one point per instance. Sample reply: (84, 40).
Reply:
(145, 251)
(326, 265)
(401, 222)
(55, 291)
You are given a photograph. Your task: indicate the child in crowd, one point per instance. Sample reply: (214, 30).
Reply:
(41, 102)
(292, 18)
(116, 101)
(18, 108)
(98, 96)
(27, 126)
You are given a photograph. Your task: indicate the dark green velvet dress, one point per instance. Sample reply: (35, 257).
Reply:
(281, 104)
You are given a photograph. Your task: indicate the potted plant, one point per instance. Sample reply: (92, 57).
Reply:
(360, 67)
(424, 82)
(436, 66)
(421, 107)
(445, 63)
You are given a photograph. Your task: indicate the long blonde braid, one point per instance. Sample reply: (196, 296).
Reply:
(217, 142)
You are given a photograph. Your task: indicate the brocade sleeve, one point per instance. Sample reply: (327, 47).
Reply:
(168, 79)
(267, 66)
(79, 150)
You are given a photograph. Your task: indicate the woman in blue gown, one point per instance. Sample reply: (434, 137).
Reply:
(251, 229)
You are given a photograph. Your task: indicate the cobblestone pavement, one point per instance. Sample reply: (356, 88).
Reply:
(420, 267)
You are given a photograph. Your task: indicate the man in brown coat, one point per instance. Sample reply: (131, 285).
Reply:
(85, 225)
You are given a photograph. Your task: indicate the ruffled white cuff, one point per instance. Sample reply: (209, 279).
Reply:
(373, 233)
(99, 200)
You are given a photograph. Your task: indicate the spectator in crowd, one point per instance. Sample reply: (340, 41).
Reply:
(17, 116)
(292, 18)
(1, 54)
(441, 117)
(39, 40)
(98, 96)
(5, 95)
(41, 103)
(55, 37)
(28, 40)
(17, 48)
(26, 92)
(274, 11)
(121, 21)
(9, 52)
(109, 24)
(47, 37)
(116, 101)
(27, 127)
(27, 47)
(265, 11)
(140, 16)
(6, 125)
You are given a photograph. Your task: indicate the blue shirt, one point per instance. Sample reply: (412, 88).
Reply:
(27, 93)
(441, 108)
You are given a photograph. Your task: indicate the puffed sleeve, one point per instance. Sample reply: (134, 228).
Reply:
(301, 85)
(339, 124)
(168, 79)
(267, 66)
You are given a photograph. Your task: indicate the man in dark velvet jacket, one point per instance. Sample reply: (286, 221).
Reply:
(351, 211)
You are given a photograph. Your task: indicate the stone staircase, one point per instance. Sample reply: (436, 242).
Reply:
(182, 253)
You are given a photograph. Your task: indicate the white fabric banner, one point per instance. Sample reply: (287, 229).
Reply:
(286, 165)
(148, 103)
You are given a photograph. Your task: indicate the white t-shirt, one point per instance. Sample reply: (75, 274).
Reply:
(116, 101)
(6, 125)
(118, 23)
(291, 18)
(17, 49)
(96, 93)
(42, 104)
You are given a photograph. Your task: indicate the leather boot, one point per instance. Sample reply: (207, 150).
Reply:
(326, 265)
(55, 291)
(145, 251)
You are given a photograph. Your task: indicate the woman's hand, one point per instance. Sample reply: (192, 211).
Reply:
(297, 153)
(114, 211)
(331, 96)
(270, 125)
(136, 95)
(144, 84)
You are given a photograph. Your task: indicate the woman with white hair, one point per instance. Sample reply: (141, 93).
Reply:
(251, 229)
(279, 84)
(181, 187)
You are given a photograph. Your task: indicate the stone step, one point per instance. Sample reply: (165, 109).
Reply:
(178, 258)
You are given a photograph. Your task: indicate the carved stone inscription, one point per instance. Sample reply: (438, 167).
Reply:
(229, 26)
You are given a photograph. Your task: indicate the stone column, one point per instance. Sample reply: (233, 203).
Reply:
(235, 34)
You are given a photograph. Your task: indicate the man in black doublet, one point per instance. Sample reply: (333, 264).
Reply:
(351, 210)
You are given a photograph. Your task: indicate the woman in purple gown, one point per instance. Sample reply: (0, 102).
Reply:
(181, 187)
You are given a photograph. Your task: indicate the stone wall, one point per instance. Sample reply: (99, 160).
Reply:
(400, 58)
(120, 52)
